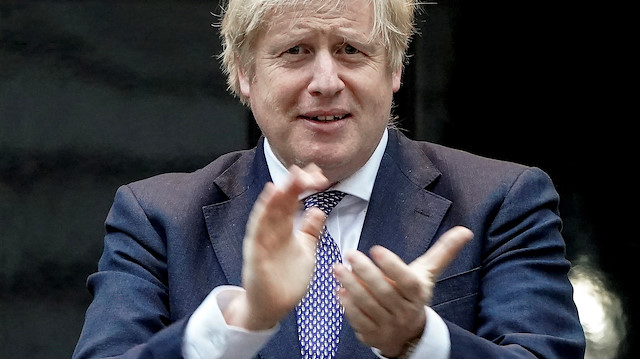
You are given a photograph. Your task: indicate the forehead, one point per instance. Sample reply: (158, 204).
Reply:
(338, 17)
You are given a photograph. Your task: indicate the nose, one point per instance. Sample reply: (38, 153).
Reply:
(326, 80)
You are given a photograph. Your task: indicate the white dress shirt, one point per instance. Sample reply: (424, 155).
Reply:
(208, 336)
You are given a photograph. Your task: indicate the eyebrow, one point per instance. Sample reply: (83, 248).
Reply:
(347, 34)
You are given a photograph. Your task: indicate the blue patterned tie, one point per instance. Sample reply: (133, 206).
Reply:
(319, 312)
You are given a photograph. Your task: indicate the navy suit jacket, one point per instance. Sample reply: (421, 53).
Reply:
(172, 238)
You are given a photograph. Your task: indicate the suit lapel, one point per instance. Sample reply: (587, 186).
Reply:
(226, 224)
(226, 220)
(403, 215)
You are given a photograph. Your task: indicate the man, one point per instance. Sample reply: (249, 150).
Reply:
(225, 262)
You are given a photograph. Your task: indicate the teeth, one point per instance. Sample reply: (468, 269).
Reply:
(327, 118)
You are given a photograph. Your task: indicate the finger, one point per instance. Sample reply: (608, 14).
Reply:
(275, 210)
(374, 280)
(271, 218)
(285, 201)
(405, 278)
(360, 322)
(301, 180)
(444, 250)
(360, 294)
(353, 297)
(317, 176)
(256, 214)
(389, 263)
(313, 222)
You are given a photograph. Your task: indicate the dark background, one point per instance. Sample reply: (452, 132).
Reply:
(95, 94)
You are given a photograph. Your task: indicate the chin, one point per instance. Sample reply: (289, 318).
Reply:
(336, 169)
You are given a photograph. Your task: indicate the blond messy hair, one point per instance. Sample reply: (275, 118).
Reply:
(243, 20)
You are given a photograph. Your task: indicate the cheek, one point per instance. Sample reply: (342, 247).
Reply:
(376, 101)
(274, 107)
(372, 89)
(280, 94)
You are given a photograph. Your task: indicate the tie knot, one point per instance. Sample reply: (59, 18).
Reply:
(324, 200)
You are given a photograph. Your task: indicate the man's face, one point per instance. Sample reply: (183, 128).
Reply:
(321, 91)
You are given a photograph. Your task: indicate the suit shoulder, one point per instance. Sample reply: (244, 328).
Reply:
(451, 159)
(475, 181)
(195, 187)
(475, 172)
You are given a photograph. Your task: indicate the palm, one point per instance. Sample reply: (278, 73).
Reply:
(280, 270)
(278, 261)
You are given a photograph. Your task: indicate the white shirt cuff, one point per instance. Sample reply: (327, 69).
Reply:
(207, 335)
(435, 342)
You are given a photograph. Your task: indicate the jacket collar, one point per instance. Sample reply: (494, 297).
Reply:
(241, 184)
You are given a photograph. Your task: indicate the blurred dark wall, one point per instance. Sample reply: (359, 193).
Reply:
(95, 94)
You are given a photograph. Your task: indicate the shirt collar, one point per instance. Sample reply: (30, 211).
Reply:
(359, 184)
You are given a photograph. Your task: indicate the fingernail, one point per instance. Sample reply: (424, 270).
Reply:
(337, 270)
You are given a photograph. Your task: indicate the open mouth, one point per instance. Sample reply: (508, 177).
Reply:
(326, 118)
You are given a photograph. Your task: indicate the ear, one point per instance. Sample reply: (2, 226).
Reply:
(396, 76)
(245, 84)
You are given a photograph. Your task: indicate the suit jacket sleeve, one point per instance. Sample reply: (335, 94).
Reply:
(525, 307)
(129, 316)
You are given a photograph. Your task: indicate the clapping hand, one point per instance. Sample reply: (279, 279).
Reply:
(278, 261)
(385, 298)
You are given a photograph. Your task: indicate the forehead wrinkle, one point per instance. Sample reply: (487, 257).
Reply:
(333, 23)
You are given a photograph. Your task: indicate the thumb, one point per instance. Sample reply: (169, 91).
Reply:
(443, 251)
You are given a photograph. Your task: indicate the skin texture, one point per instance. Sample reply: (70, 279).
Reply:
(310, 67)
(385, 299)
(278, 262)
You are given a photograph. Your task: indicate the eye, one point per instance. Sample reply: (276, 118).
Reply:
(350, 50)
(296, 50)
